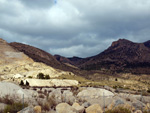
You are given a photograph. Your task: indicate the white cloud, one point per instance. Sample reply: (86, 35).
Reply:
(74, 27)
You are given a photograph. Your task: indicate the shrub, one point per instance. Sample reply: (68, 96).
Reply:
(30, 77)
(42, 76)
(41, 96)
(47, 77)
(119, 110)
(15, 107)
(7, 100)
(27, 83)
(22, 83)
(49, 104)
(52, 101)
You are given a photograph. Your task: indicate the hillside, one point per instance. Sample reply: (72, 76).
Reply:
(10, 55)
(41, 56)
(16, 64)
(122, 56)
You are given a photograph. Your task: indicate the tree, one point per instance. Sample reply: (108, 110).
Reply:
(27, 83)
(47, 77)
(40, 76)
(21, 83)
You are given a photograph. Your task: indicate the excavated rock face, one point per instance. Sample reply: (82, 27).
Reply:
(10, 55)
(14, 62)
(39, 55)
(36, 54)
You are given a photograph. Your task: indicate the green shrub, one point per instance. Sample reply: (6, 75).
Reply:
(15, 107)
(30, 77)
(21, 83)
(119, 110)
(47, 77)
(42, 76)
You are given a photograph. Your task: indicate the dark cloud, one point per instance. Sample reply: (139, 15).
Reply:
(74, 27)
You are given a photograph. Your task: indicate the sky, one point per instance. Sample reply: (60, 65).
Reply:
(69, 28)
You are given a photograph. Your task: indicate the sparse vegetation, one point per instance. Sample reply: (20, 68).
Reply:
(42, 76)
(119, 110)
(21, 83)
(49, 104)
(15, 107)
(30, 77)
(7, 100)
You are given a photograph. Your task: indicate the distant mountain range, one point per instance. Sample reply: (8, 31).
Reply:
(122, 56)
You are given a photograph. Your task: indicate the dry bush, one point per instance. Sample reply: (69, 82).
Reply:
(40, 91)
(41, 96)
(119, 109)
(49, 104)
(7, 100)
(15, 107)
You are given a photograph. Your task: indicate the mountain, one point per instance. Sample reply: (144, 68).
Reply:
(36, 54)
(73, 60)
(14, 63)
(39, 55)
(63, 59)
(147, 44)
(122, 56)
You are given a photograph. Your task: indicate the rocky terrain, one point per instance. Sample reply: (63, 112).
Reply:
(41, 56)
(72, 99)
(109, 82)
(16, 66)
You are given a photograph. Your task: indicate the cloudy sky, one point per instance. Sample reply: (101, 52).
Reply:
(74, 27)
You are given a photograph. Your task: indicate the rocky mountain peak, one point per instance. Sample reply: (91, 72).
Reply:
(121, 42)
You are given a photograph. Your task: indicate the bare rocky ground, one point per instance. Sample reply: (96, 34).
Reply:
(71, 99)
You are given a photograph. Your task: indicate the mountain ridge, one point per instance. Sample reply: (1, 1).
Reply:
(122, 56)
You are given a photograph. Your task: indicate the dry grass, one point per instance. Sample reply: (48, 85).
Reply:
(119, 110)
(49, 104)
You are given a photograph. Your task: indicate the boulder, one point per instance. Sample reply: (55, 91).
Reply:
(86, 104)
(69, 94)
(37, 109)
(51, 82)
(94, 93)
(11, 89)
(95, 108)
(138, 111)
(65, 108)
(138, 104)
(27, 110)
(79, 108)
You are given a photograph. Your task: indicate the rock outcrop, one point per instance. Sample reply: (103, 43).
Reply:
(95, 108)
(12, 90)
(65, 108)
(51, 82)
